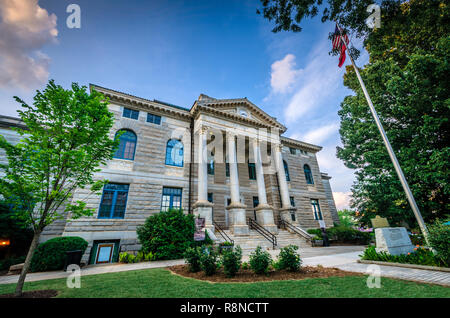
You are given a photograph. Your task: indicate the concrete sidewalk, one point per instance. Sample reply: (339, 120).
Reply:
(342, 257)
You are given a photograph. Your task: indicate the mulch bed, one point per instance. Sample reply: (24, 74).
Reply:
(248, 276)
(34, 294)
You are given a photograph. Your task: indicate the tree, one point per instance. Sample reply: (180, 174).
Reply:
(407, 80)
(346, 218)
(66, 139)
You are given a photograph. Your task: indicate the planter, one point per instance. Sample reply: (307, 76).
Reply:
(317, 242)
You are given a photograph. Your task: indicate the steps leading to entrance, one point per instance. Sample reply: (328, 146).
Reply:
(254, 239)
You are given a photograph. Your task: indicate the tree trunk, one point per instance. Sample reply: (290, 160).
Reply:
(27, 264)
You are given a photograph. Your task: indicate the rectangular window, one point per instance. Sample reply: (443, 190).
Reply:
(292, 201)
(114, 201)
(130, 113)
(154, 119)
(316, 209)
(255, 202)
(211, 167)
(171, 199)
(227, 169)
(251, 171)
(210, 197)
(293, 151)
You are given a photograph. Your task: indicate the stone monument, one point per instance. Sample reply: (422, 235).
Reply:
(393, 240)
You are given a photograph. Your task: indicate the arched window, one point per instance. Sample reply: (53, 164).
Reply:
(286, 170)
(127, 145)
(308, 174)
(174, 153)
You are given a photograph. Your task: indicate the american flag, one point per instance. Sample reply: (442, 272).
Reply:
(338, 45)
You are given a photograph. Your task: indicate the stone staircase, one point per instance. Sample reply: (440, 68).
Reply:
(254, 239)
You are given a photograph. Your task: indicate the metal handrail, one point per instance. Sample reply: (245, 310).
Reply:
(261, 230)
(285, 224)
(222, 233)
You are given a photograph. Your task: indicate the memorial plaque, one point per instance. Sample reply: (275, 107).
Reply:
(378, 222)
(393, 240)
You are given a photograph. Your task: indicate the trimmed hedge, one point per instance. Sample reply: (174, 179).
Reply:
(344, 234)
(168, 234)
(51, 255)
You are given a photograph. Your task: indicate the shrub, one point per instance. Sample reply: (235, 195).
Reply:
(231, 261)
(8, 262)
(51, 255)
(192, 257)
(168, 234)
(420, 256)
(260, 261)
(289, 259)
(440, 240)
(129, 258)
(208, 261)
(344, 234)
(245, 266)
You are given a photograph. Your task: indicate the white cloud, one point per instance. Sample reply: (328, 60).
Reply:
(26, 28)
(342, 200)
(317, 135)
(320, 79)
(284, 74)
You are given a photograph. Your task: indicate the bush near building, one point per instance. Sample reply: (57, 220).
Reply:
(344, 234)
(51, 255)
(168, 234)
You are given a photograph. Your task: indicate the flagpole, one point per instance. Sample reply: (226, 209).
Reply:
(394, 160)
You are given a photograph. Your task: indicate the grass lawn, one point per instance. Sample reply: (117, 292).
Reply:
(161, 283)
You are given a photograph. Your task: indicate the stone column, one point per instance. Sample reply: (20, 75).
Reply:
(203, 208)
(264, 212)
(286, 207)
(236, 208)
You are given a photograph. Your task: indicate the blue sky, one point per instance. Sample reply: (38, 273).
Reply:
(175, 50)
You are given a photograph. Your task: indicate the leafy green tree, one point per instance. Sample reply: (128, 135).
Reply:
(66, 140)
(406, 78)
(346, 218)
(407, 81)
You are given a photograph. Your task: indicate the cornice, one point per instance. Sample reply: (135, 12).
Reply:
(302, 144)
(142, 103)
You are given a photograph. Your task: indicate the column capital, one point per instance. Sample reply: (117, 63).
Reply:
(203, 130)
(230, 134)
(278, 147)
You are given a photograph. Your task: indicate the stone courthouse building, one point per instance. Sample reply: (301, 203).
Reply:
(223, 159)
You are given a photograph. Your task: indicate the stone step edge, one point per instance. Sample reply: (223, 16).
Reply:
(414, 266)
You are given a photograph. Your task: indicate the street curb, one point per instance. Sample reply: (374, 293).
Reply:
(413, 266)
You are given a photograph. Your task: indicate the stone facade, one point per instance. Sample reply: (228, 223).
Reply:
(147, 174)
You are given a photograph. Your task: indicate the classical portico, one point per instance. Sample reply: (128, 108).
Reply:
(233, 136)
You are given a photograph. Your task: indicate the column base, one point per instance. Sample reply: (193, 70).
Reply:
(203, 209)
(239, 225)
(285, 214)
(264, 216)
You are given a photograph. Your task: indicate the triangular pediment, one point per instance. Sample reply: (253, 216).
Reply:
(240, 107)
